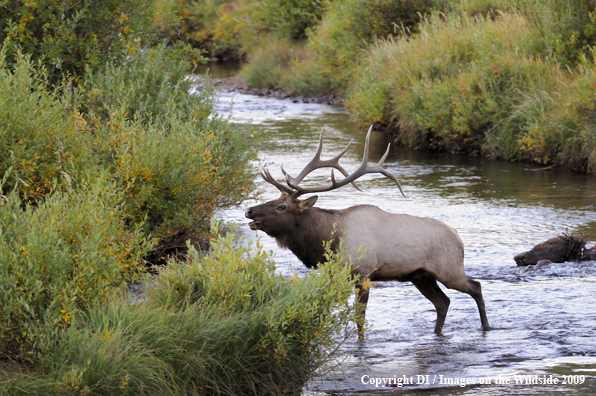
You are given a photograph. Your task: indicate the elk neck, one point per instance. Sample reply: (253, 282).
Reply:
(306, 236)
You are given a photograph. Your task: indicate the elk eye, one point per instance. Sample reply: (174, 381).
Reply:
(281, 208)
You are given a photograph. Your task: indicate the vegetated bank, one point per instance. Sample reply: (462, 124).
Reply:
(109, 156)
(503, 79)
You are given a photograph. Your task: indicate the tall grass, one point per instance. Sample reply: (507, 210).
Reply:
(478, 85)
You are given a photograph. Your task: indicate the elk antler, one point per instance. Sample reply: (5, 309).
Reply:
(317, 163)
(294, 190)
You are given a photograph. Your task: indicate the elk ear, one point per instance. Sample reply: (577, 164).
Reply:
(307, 203)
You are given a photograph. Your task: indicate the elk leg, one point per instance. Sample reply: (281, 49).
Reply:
(475, 290)
(361, 300)
(429, 288)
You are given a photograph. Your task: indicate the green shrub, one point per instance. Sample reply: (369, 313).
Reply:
(58, 259)
(68, 37)
(557, 126)
(287, 19)
(197, 23)
(166, 163)
(176, 160)
(269, 65)
(306, 75)
(42, 135)
(348, 27)
(176, 176)
(239, 25)
(148, 86)
(569, 26)
(220, 324)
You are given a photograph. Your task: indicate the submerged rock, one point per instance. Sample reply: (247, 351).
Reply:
(566, 247)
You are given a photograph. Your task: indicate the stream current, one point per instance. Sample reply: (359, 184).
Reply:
(544, 320)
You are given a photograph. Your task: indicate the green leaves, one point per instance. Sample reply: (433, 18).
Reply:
(59, 258)
(69, 37)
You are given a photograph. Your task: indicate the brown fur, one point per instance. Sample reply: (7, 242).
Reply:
(566, 247)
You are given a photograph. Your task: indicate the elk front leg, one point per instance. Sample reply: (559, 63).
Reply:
(361, 301)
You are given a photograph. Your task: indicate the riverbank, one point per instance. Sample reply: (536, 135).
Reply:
(238, 85)
(505, 79)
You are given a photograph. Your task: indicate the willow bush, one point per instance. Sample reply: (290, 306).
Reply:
(60, 258)
(163, 163)
(44, 141)
(68, 37)
(176, 159)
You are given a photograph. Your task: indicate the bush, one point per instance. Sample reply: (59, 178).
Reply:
(43, 138)
(142, 122)
(238, 26)
(556, 126)
(197, 23)
(222, 324)
(153, 85)
(68, 37)
(176, 160)
(58, 259)
(348, 27)
(163, 164)
(268, 66)
(569, 26)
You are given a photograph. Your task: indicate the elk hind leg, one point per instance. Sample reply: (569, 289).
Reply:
(429, 288)
(474, 289)
(476, 293)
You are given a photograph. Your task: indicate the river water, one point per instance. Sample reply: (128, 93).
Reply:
(544, 320)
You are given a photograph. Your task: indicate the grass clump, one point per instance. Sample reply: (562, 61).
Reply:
(220, 324)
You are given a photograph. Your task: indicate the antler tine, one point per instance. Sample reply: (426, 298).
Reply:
(363, 169)
(317, 163)
(386, 172)
(266, 175)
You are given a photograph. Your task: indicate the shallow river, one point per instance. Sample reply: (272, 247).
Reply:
(544, 321)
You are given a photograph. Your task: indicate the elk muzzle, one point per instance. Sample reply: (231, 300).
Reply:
(249, 213)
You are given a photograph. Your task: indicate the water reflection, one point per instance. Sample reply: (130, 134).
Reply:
(499, 208)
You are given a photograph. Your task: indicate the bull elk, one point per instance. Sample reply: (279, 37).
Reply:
(400, 247)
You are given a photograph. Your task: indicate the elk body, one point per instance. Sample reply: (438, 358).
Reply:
(399, 246)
